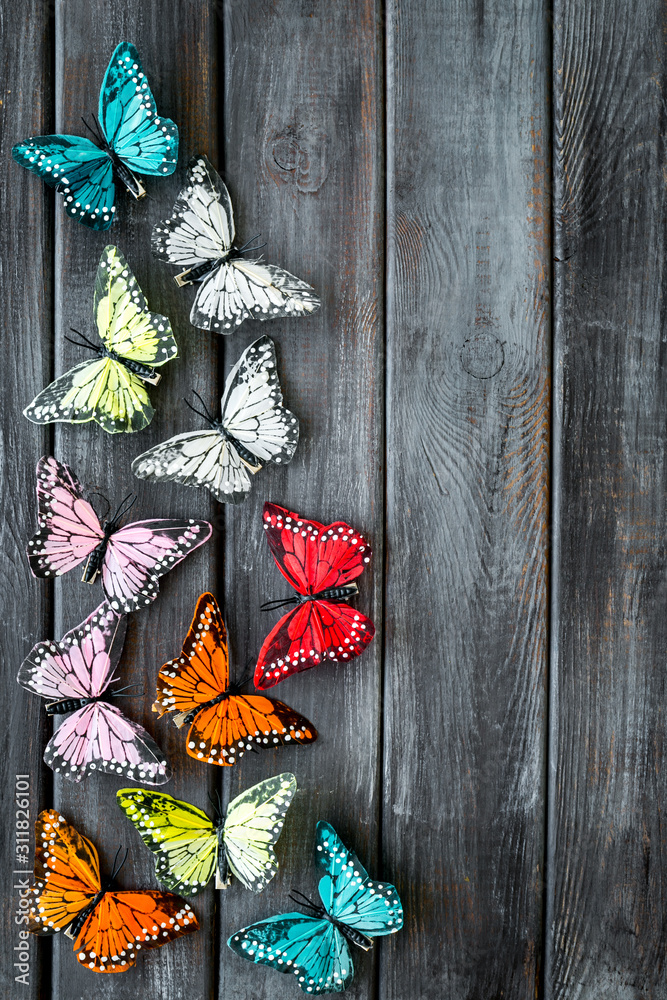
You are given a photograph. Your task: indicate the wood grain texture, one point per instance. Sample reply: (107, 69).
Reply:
(26, 357)
(607, 843)
(303, 159)
(467, 462)
(177, 43)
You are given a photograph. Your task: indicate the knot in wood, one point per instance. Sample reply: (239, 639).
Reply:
(482, 356)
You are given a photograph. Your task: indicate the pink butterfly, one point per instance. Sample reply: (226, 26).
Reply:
(130, 558)
(74, 674)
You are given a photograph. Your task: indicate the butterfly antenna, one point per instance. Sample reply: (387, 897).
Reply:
(209, 416)
(116, 866)
(246, 248)
(280, 603)
(97, 493)
(84, 342)
(119, 692)
(302, 900)
(125, 507)
(194, 409)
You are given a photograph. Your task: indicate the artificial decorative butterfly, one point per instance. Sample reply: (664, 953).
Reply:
(200, 235)
(109, 927)
(75, 674)
(110, 388)
(314, 946)
(320, 562)
(254, 428)
(223, 722)
(131, 558)
(129, 136)
(189, 847)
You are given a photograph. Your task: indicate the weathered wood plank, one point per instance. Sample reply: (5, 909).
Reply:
(177, 43)
(606, 857)
(303, 158)
(26, 237)
(467, 452)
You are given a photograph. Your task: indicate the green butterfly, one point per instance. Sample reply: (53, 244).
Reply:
(134, 341)
(189, 847)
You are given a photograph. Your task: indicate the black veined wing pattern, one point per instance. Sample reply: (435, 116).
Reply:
(254, 428)
(199, 234)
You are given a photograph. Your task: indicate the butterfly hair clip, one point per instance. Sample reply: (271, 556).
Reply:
(189, 847)
(321, 562)
(109, 388)
(129, 138)
(109, 927)
(254, 428)
(76, 676)
(199, 236)
(130, 558)
(314, 946)
(224, 723)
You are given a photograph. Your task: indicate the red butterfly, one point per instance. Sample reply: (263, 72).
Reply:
(320, 562)
(109, 928)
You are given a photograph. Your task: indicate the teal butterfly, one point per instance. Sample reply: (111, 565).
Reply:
(109, 388)
(314, 946)
(129, 136)
(189, 847)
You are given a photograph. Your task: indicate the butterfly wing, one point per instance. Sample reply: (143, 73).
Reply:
(201, 226)
(69, 528)
(98, 737)
(124, 321)
(142, 138)
(241, 288)
(123, 923)
(348, 894)
(67, 874)
(102, 390)
(197, 458)
(311, 949)
(252, 827)
(140, 553)
(252, 406)
(182, 837)
(79, 170)
(82, 663)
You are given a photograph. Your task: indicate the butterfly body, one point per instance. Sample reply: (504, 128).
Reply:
(321, 562)
(75, 675)
(224, 723)
(313, 946)
(144, 372)
(190, 848)
(129, 137)
(200, 235)
(109, 927)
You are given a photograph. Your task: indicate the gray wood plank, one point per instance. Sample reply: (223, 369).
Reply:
(606, 867)
(303, 159)
(177, 44)
(467, 462)
(26, 238)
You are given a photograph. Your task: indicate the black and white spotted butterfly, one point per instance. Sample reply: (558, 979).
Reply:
(200, 235)
(254, 428)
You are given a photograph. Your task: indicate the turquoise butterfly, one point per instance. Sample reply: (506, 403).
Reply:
(314, 946)
(129, 136)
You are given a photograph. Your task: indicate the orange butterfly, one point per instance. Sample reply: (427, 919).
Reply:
(109, 928)
(224, 723)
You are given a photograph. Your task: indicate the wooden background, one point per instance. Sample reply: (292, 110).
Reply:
(476, 188)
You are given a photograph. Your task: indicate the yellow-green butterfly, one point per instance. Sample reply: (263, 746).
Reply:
(189, 847)
(134, 342)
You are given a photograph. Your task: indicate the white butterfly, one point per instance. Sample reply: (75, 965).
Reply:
(199, 234)
(254, 428)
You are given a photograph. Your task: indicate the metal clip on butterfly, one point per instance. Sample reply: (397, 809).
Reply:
(134, 341)
(76, 674)
(320, 562)
(129, 136)
(200, 235)
(189, 847)
(314, 946)
(109, 927)
(130, 559)
(223, 722)
(254, 427)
